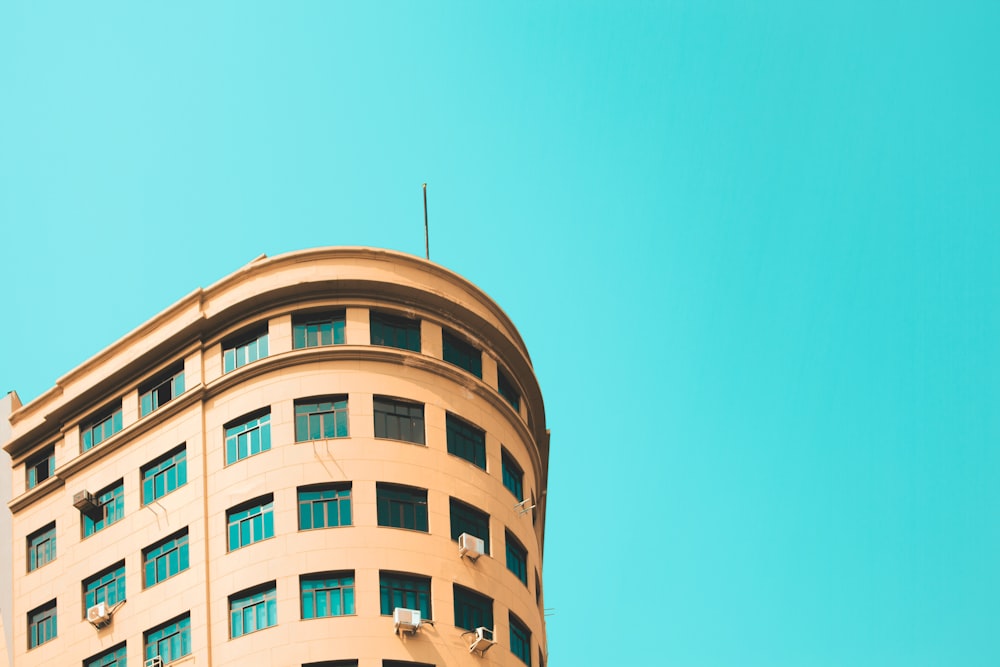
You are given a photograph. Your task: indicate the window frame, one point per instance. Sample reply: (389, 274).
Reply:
(338, 414)
(261, 597)
(345, 582)
(512, 474)
(158, 467)
(465, 440)
(37, 546)
(519, 630)
(253, 344)
(100, 426)
(110, 581)
(265, 506)
(155, 552)
(387, 495)
(43, 616)
(471, 520)
(470, 599)
(404, 587)
(247, 432)
(112, 509)
(340, 496)
(395, 405)
(459, 352)
(181, 626)
(302, 322)
(116, 653)
(508, 390)
(32, 465)
(161, 389)
(519, 554)
(396, 331)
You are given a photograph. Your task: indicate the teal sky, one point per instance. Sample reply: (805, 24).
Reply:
(753, 249)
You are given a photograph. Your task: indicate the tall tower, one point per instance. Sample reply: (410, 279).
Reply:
(331, 457)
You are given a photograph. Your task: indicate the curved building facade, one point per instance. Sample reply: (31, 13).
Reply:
(331, 457)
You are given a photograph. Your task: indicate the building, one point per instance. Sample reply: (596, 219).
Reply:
(298, 465)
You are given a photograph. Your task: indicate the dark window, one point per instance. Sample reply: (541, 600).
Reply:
(248, 435)
(42, 546)
(244, 348)
(316, 329)
(107, 586)
(327, 594)
(513, 476)
(467, 519)
(395, 331)
(457, 351)
(466, 441)
(507, 390)
(406, 591)
(399, 420)
(40, 467)
(320, 418)
(472, 610)
(541, 659)
(164, 475)
(401, 506)
(520, 639)
(111, 500)
(517, 557)
(113, 657)
(170, 641)
(538, 589)
(325, 506)
(251, 522)
(42, 624)
(100, 427)
(165, 558)
(161, 389)
(253, 610)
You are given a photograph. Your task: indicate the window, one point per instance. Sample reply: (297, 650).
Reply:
(472, 610)
(331, 663)
(165, 558)
(506, 389)
(164, 475)
(457, 351)
(42, 547)
(101, 427)
(405, 663)
(107, 586)
(399, 420)
(520, 639)
(513, 476)
(392, 331)
(170, 641)
(517, 557)
(113, 657)
(401, 506)
(319, 418)
(324, 506)
(466, 441)
(316, 329)
(161, 389)
(467, 519)
(538, 589)
(248, 435)
(251, 522)
(404, 590)
(253, 610)
(40, 467)
(330, 594)
(111, 503)
(42, 624)
(541, 659)
(243, 349)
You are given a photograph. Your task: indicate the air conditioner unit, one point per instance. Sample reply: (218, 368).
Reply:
(155, 661)
(86, 503)
(471, 546)
(483, 641)
(405, 620)
(99, 614)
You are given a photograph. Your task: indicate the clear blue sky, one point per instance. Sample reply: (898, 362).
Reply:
(753, 249)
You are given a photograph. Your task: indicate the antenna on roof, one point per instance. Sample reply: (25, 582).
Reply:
(427, 238)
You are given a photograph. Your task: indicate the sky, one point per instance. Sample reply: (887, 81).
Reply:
(753, 249)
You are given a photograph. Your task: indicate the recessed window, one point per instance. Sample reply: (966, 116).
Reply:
(164, 474)
(513, 476)
(113, 657)
(107, 586)
(318, 329)
(401, 506)
(506, 389)
(457, 351)
(165, 558)
(253, 610)
(321, 418)
(100, 427)
(405, 663)
(170, 641)
(399, 420)
(538, 589)
(404, 590)
(324, 506)
(517, 557)
(467, 519)
(248, 435)
(392, 331)
(472, 610)
(42, 546)
(42, 624)
(466, 441)
(331, 663)
(161, 389)
(111, 508)
(251, 522)
(244, 348)
(327, 594)
(40, 467)
(520, 639)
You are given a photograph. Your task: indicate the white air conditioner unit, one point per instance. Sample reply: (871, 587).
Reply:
(405, 620)
(471, 546)
(483, 641)
(155, 661)
(99, 614)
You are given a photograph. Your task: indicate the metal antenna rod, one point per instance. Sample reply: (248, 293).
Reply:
(427, 238)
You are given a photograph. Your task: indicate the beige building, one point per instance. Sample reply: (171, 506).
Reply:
(331, 457)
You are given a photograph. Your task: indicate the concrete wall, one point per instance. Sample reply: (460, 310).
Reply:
(8, 404)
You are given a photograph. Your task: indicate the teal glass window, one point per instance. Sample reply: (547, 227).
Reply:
(324, 506)
(244, 349)
(111, 501)
(401, 506)
(42, 547)
(520, 639)
(328, 594)
(465, 440)
(506, 389)
(251, 522)
(467, 519)
(248, 435)
(457, 351)
(113, 657)
(517, 557)
(164, 475)
(513, 476)
(170, 641)
(318, 329)
(161, 389)
(165, 558)
(321, 418)
(40, 467)
(390, 331)
(100, 428)
(107, 586)
(399, 420)
(42, 624)
(472, 610)
(253, 610)
(404, 590)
